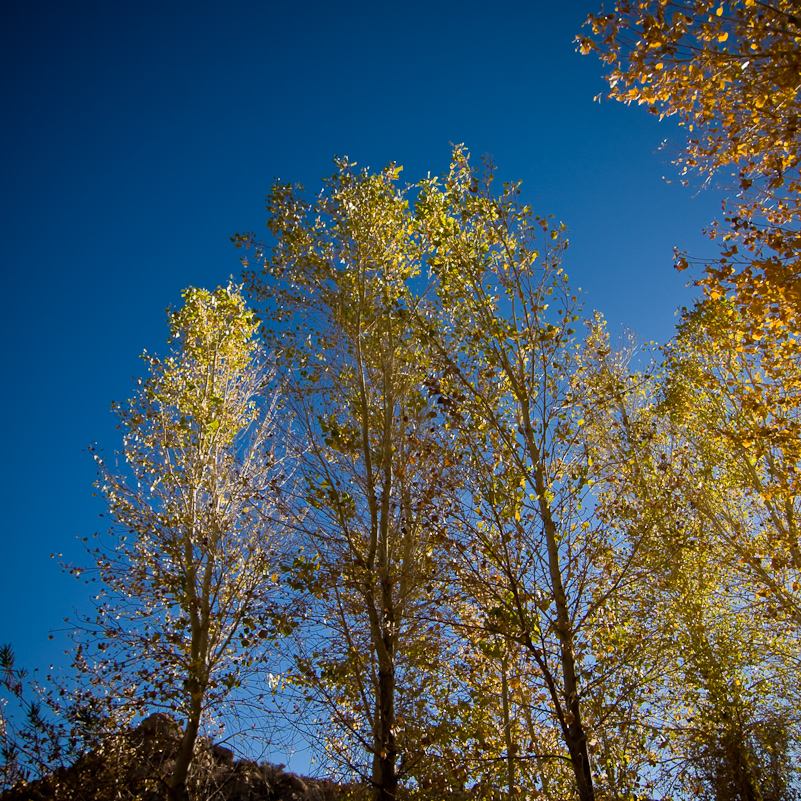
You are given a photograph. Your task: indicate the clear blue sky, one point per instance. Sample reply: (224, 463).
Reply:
(138, 137)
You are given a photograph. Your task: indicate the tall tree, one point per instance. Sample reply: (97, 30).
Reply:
(336, 289)
(187, 576)
(537, 561)
(731, 72)
(721, 714)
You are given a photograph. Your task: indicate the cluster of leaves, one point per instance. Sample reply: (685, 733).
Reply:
(732, 73)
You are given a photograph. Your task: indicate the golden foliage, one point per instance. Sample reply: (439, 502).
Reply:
(732, 73)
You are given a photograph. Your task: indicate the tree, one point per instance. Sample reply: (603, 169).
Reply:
(734, 402)
(336, 291)
(540, 566)
(718, 612)
(189, 575)
(731, 72)
(29, 739)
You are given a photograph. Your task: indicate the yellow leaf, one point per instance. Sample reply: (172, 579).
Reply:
(723, 36)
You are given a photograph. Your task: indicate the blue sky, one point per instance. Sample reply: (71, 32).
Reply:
(138, 137)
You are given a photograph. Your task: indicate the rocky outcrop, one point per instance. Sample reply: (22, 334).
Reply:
(136, 766)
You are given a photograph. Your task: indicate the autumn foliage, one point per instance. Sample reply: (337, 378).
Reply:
(732, 74)
(488, 551)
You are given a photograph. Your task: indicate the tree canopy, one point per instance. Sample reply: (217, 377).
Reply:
(187, 576)
(731, 72)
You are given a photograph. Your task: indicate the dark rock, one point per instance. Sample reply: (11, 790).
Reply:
(223, 755)
(292, 783)
(159, 724)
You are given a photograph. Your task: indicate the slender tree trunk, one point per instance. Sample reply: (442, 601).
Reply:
(385, 775)
(507, 723)
(573, 731)
(576, 741)
(187, 748)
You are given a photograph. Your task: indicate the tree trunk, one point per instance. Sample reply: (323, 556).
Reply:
(385, 757)
(573, 732)
(187, 749)
(385, 777)
(576, 741)
(507, 722)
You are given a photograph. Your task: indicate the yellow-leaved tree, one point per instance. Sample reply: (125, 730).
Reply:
(187, 574)
(541, 569)
(336, 288)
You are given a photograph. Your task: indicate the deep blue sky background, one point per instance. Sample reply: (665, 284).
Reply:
(138, 137)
